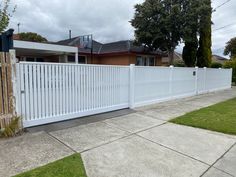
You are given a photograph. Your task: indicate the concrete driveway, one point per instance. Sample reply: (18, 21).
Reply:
(140, 144)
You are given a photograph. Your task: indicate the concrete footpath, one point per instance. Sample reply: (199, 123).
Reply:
(130, 143)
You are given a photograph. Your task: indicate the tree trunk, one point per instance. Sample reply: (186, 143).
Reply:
(171, 56)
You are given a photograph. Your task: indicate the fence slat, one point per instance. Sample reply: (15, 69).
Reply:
(31, 93)
(50, 94)
(39, 90)
(35, 90)
(27, 98)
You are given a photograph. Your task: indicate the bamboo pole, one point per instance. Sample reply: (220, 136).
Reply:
(1, 96)
(9, 84)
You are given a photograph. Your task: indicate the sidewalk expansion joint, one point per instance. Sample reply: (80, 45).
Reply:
(212, 166)
(61, 142)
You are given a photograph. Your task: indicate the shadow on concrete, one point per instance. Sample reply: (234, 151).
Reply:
(79, 121)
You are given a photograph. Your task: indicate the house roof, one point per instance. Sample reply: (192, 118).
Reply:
(215, 58)
(125, 46)
(42, 46)
(219, 59)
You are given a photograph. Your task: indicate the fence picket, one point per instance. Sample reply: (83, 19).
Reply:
(39, 90)
(35, 91)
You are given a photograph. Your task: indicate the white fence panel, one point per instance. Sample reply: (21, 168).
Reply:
(201, 80)
(151, 84)
(55, 92)
(156, 84)
(183, 82)
(218, 79)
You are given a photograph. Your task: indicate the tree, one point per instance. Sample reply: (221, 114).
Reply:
(33, 37)
(5, 15)
(230, 48)
(190, 14)
(157, 25)
(231, 64)
(204, 53)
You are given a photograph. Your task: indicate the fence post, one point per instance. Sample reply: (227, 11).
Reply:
(196, 80)
(15, 98)
(131, 85)
(171, 80)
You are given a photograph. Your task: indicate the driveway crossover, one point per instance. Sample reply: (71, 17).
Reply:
(140, 144)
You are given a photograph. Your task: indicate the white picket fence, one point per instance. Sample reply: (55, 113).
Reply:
(55, 92)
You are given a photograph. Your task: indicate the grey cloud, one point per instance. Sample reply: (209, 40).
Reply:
(107, 20)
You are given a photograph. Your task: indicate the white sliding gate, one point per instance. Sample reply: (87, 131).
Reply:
(55, 92)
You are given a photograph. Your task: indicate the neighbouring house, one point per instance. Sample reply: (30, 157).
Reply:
(116, 53)
(219, 59)
(44, 52)
(179, 59)
(68, 51)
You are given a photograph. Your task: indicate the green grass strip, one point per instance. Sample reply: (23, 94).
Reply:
(220, 117)
(71, 166)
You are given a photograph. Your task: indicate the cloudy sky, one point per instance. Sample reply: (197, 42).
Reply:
(107, 20)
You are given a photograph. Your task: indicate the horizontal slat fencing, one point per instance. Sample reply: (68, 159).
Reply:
(55, 92)
(156, 84)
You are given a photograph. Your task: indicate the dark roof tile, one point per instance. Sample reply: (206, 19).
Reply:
(113, 47)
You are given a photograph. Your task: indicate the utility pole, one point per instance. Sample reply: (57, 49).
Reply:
(18, 25)
(69, 34)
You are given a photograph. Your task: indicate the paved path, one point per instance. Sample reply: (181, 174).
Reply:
(140, 144)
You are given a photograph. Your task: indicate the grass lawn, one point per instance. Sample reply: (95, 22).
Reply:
(71, 166)
(220, 117)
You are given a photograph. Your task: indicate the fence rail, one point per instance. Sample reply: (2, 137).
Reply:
(54, 92)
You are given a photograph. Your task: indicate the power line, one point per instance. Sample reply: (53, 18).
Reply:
(226, 26)
(219, 6)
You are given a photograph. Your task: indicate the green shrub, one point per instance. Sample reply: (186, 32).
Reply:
(10, 126)
(216, 65)
(231, 64)
(179, 63)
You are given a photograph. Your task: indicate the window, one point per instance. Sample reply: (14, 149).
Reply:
(33, 59)
(145, 61)
(151, 61)
(139, 61)
(82, 59)
(39, 60)
(71, 59)
(29, 59)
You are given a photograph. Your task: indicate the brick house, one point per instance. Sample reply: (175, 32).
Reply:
(67, 51)
(116, 53)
